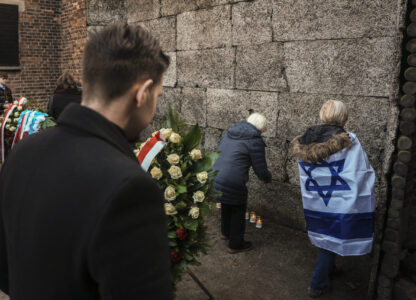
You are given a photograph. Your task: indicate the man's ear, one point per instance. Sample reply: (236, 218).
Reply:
(141, 95)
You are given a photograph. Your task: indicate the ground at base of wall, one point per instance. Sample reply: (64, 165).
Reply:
(279, 267)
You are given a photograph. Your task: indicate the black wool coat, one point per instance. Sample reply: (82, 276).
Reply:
(62, 99)
(241, 147)
(79, 217)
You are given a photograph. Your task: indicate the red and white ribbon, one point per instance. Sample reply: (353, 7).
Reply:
(22, 128)
(150, 149)
(8, 113)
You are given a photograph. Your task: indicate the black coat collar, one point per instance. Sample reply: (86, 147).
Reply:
(88, 120)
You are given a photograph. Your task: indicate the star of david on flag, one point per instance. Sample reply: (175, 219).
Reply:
(336, 184)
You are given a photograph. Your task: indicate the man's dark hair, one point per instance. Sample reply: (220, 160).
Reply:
(117, 57)
(4, 75)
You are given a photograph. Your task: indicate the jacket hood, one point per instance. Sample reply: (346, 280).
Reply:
(243, 131)
(320, 142)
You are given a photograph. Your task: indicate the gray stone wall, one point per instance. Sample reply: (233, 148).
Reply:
(281, 58)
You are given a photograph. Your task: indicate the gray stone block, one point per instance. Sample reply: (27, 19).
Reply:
(276, 200)
(350, 67)
(170, 97)
(275, 157)
(207, 68)
(173, 7)
(212, 138)
(194, 106)
(104, 12)
(333, 19)
(207, 28)
(260, 67)
(93, 29)
(252, 22)
(164, 29)
(169, 78)
(211, 3)
(226, 107)
(142, 10)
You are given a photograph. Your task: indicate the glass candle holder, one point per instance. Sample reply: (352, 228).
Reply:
(253, 217)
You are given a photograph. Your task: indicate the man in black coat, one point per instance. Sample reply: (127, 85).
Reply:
(5, 92)
(79, 217)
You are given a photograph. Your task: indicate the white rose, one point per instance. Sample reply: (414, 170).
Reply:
(195, 154)
(170, 193)
(174, 138)
(8, 120)
(16, 102)
(12, 128)
(19, 108)
(202, 177)
(198, 196)
(194, 212)
(136, 151)
(16, 114)
(156, 173)
(175, 172)
(173, 159)
(170, 209)
(7, 126)
(167, 132)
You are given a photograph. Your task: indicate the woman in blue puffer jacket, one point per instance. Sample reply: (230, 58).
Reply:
(241, 147)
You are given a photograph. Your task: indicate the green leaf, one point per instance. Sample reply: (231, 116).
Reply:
(49, 122)
(172, 243)
(207, 162)
(192, 139)
(172, 235)
(180, 205)
(191, 224)
(204, 209)
(181, 189)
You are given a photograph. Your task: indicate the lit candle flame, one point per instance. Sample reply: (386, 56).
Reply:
(259, 223)
(253, 217)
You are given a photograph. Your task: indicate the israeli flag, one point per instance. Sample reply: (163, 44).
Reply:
(339, 202)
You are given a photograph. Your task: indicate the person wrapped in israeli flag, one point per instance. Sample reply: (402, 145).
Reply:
(337, 185)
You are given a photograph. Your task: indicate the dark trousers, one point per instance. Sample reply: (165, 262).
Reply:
(233, 223)
(323, 267)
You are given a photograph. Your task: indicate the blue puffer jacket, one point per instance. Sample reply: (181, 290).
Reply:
(241, 148)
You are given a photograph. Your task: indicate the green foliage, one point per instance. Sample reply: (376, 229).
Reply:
(193, 138)
(192, 239)
(49, 122)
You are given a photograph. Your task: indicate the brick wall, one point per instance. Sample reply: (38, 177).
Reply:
(74, 34)
(40, 47)
(52, 34)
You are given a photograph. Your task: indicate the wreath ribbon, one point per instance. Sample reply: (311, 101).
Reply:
(9, 111)
(150, 149)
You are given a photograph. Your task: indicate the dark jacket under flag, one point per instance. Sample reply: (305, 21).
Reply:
(79, 217)
(241, 147)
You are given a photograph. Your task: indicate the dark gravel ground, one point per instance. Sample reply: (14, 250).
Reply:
(279, 267)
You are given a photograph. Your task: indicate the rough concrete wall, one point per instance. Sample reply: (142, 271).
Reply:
(282, 58)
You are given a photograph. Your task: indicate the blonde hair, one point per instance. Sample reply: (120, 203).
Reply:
(66, 81)
(258, 121)
(334, 112)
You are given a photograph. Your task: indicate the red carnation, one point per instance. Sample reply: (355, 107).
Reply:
(181, 233)
(175, 256)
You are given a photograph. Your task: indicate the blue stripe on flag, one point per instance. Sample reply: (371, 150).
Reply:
(341, 226)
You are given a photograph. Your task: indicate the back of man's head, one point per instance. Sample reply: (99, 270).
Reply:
(117, 57)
